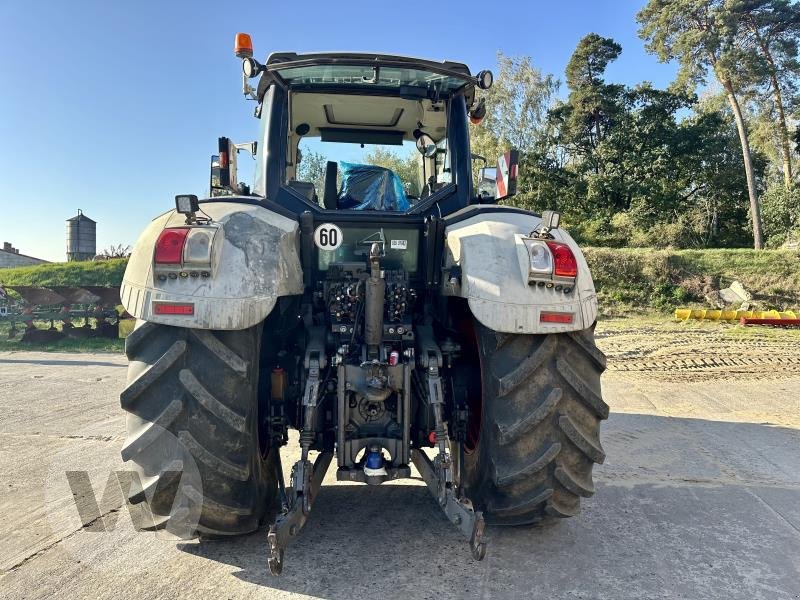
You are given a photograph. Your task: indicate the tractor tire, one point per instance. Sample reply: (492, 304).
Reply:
(193, 393)
(541, 409)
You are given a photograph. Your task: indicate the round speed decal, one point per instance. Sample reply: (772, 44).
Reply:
(328, 236)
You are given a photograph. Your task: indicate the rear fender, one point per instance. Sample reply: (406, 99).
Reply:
(256, 260)
(486, 262)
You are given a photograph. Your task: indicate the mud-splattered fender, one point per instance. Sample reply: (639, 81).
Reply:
(486, 262)
(256, 260)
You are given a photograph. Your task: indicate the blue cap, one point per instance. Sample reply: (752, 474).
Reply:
(374, 460)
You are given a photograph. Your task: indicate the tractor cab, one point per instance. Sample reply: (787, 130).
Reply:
(358, 132)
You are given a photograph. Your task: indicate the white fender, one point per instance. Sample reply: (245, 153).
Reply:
(256, 260)
(494, 262)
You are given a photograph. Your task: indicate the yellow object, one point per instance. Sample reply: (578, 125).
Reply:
(684, 314)
(125, 327)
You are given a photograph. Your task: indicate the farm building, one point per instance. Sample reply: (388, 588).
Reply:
(10, 257)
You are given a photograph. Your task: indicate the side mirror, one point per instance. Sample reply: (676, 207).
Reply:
(498, 183)
(223, 169)
(487, 184)
(426, 146)
(507, 170)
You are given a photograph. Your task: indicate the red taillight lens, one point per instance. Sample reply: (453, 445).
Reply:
(564, 263)
(172, 308)
(169, 247)
(552, 317)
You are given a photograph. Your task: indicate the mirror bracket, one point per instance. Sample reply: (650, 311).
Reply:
(550, 220)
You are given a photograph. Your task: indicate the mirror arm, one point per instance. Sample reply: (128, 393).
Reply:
(248, 90)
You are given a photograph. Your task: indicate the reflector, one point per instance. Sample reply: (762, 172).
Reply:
(553, 317)
(172, 308)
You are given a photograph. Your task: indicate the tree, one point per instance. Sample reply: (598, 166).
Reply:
(768, 31)
(406, 168)
(517, 116)
(312, 168)
(116, 251)
(701, 35)
(592, 103)
(519, 101)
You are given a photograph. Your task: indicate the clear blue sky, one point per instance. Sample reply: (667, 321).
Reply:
(114, 107)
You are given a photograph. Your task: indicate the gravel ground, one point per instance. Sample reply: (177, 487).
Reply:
(699, 496)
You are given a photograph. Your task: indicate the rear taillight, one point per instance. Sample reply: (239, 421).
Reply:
(564, 263)
(169, 246)
(551, 263)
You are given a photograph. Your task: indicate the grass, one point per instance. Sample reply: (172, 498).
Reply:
(102, 272)
(645, 280)
(664, 323)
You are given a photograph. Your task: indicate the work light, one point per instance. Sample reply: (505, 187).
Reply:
(187, 204)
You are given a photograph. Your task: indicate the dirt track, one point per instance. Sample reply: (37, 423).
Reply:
(698, 351)
(699, 496)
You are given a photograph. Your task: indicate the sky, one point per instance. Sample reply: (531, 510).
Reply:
(114, 107)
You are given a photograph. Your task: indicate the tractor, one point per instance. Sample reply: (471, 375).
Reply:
(370, 292)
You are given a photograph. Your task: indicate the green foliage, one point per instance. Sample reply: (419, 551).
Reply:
(699, 34)
(768, 33)
(645, 279)
(619, 163)
(704, 36)
(407, 168)
(781, 213)
(593, 105)
(518, 106)
(657, 168)
(312, 168)
(102, 272)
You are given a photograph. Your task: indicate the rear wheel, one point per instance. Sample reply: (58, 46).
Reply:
(194, 392)
(539, 420)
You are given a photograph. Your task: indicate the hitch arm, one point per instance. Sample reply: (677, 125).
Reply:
(289, 524)
(460, 512)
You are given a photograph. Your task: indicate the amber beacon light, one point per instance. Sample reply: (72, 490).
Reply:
(243, 45)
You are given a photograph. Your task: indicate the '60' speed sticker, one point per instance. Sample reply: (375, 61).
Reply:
(328, 236)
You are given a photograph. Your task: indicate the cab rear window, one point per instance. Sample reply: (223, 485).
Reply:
(401, 248)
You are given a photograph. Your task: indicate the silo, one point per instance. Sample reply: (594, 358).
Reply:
(81, 238)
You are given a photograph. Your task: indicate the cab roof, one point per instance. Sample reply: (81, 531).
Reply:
(350, 58)
(371, 73)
